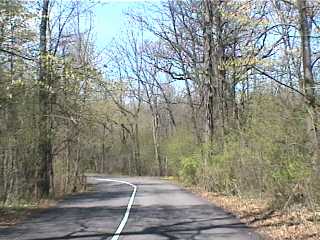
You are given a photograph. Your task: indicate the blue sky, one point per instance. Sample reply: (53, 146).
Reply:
(110, 19)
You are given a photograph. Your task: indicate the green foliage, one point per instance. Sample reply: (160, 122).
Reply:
(113, 120)
(265, 157)
(178, 147)
(189, 168)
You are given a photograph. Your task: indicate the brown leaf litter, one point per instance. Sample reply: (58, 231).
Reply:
(297, 223)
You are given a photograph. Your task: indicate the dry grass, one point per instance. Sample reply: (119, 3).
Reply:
(296, 223)
(13, 214)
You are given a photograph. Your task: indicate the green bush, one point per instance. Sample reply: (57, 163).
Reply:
(189, 169)
(266, 156)
(178, 147)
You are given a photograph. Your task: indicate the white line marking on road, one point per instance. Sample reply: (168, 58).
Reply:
(124, 220)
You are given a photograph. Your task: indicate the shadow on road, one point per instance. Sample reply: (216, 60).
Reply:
(96, 216)
(145, 223)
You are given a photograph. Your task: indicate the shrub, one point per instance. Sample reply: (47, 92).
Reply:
(189, 169)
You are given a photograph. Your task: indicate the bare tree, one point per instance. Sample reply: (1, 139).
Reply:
(44, 170)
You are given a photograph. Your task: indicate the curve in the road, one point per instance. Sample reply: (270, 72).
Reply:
(124, 220)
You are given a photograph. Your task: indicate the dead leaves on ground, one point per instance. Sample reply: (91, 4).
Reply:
(298, 223)
(13, 214)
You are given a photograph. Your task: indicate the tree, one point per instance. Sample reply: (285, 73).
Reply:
(307, 82)
(44, 171)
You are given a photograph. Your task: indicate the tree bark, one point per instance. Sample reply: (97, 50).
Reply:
(307, 84)
(136, 145)
(155, 134)
(45, 134)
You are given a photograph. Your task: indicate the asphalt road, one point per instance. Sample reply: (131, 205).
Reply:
(160, 211)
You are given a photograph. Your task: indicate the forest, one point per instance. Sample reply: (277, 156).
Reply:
(222, 94)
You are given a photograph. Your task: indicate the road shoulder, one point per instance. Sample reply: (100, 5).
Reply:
(296, 223)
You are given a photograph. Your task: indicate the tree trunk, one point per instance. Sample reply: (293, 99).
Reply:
(45, 145)
(155, 134)
(136, 146)
(103, 157)
(307, 84)
(193, 113)
(217, 90)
